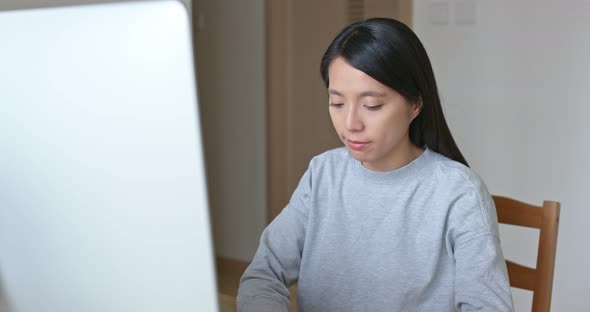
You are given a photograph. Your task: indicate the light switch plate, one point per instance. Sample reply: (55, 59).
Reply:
(465, 12)
(439, 12)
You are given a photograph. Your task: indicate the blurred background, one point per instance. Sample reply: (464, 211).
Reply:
(513, 76)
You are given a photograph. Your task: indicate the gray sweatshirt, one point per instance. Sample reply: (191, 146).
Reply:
(420, 238)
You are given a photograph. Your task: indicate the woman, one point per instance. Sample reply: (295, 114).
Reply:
(396, 221)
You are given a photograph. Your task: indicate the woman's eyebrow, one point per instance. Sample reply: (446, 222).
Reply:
(363, 94)
(334, 92)
(372, 94)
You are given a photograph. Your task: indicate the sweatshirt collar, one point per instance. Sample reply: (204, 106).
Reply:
(409, 171)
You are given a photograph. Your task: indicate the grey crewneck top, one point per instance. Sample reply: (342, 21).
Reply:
(423, 237)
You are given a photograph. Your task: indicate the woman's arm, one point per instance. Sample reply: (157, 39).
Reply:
(264, 285)
(481, 278)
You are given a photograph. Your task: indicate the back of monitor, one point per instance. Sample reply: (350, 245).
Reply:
(103, 201)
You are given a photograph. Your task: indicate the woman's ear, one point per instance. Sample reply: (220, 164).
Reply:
(416, 107)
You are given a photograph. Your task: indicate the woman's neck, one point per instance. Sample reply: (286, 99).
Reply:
(401, 156)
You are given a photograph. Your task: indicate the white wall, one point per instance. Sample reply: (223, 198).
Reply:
(230, 60)
(514, 86)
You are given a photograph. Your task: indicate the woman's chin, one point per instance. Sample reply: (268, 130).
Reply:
(359, 155)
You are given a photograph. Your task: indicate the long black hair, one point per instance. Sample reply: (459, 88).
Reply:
(391, 53)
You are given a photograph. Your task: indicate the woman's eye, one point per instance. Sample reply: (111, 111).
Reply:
(373, 107)
(337, 105)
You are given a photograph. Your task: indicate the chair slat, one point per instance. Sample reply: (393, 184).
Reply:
(521, 276)
(518, 213)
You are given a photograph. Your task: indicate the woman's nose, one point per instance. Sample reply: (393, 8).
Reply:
(353, 121)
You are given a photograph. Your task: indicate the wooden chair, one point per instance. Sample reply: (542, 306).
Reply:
(546, 219)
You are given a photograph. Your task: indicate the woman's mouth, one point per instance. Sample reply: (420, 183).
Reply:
(356, 145)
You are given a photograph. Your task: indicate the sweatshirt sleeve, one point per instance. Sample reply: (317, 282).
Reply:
(481, 278)
(481, 281)
(264, 285)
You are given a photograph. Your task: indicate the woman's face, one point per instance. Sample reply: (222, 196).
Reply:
(371, 119)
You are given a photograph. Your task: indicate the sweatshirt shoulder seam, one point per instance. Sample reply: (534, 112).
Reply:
(471, 185)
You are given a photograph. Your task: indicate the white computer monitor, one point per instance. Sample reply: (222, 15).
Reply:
(103, 202)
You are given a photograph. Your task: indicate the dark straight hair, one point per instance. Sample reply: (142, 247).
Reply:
(390, 52)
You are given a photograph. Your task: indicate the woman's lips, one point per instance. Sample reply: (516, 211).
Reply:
(356, 145)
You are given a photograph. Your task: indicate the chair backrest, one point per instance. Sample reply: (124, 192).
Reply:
(546, 219)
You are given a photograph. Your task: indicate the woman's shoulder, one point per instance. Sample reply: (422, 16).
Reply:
(323, 169)
(336, 156)
(472, 208)
(330, 165)
(454, 172)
